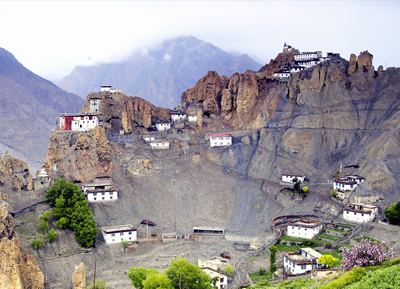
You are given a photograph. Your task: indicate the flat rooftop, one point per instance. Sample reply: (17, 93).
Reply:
(118, 229)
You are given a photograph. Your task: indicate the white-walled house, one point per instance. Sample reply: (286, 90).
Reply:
(42, 173)
(94, 104)
(101, 189)
(178, 116)
(105, 88)
(220, 139)
(356, 178)
(360, 213)
(192, 118)
(159, 144)
(303, 261)
(288, 178)
(118, 234)
(78, 122)
(344, 185)
(163, 126)
(221, 280)
(148, 138)
(306, 229)
(303, 56)
(283, 73)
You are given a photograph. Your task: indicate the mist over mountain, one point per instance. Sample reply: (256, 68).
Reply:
(29, 108)
(161, 74)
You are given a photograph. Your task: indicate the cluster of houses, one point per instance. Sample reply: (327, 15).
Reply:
(346, 185)
(302, 60)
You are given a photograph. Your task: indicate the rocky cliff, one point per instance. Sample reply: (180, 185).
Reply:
(17, 270)
(14, 174)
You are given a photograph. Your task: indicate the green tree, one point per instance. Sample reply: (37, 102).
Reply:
(185, 275)
(46, 216)
(62, 223)
(125, 244)
(100, 284)
(37, 244)
(272, 258)
(51, 237)
(393, 213)
(306, 190)
(43, 226)
(157, 281)
(229, 270)
(138, 275)
(328, 260)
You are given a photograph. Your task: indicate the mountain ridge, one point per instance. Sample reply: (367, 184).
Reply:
(159, 74)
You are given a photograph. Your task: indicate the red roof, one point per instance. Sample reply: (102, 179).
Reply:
(222, 134)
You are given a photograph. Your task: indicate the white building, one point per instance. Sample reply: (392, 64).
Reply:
(306, 229)
(288, 178)
(163, 126)
(296, 68)
(344, 185)
(342, 195)
(355, 178)
(42, 173)
(105, 88)
(192, 118)
(169, 237)
(178, 116)
(217, 263)
(303, 56)
(360, 213)
(159, 144)
(94, 104)
(283, 73)
(220, 139)
(218, 279)
(148, 138)
(118, 234)
(78, 122)
(101, 189)
(301, 262)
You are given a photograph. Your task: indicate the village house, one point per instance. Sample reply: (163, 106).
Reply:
(148, 138)
(360, 213)
(342, 194)
(42, 173)
(163, 126)
(101, 189)
(209, 230)
(296, 68)
(217, 263)
(159, 144)
(288, 178)
(220, 139)
(305, 56)
(344, 185)
(105, 88)
(118, 234)
(192, 118)
(218, 280)
(78, 122)
(304, 228)
(301, 262)
(178, 116)
(94, 104)
(283, 73)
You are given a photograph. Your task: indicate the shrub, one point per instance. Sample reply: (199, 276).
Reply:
(305, 190)
(138, 275)
(328, 260)
(366, 253)
(272, 258)
(43, 226)
(229, 270)
(392, 213)
(385, 278)
(334, 193)
(346, 279)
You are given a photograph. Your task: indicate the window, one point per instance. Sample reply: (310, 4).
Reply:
(121, 234)
(102, 198)
(95, 198)
(113, 234)
(303, 267)
(130, 233)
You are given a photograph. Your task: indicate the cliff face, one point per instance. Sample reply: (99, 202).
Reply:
(14, 173)
(337, 111)
(17, 270)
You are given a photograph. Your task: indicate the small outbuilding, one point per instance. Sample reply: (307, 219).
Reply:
(360, 213)
(118, 234)
(220, 139)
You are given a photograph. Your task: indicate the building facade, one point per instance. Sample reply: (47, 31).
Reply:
(220, 139)
(94, 104)
(178, 116)
(148, 138)
(159, 144)
(288, 178)
(360, 213)
(163, 126)
(94, 196)
(78, 122)
(218, 279)
(306, 229)
(301, 262)
(192, 118)
(105, 88)
(118, 234)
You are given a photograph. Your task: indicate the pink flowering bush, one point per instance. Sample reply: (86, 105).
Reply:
(366, 253)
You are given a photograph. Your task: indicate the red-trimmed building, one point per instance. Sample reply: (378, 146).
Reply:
(78, 122)
(220, 139)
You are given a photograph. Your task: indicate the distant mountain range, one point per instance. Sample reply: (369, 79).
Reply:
(29, 109)
(159, 75)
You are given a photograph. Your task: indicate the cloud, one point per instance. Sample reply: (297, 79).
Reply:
(51, 37)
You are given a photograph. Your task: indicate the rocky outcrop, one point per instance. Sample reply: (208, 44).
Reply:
(362, 63)
(17, 270)
(352, 64)
(80, 156)
(14, 174)
(79, 277)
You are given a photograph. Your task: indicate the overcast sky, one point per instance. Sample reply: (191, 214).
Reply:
(50, 38)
